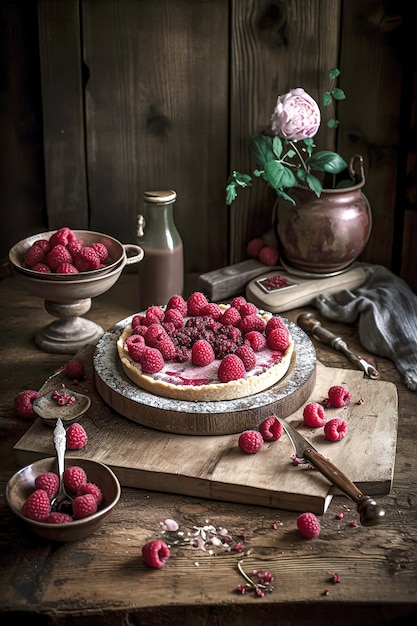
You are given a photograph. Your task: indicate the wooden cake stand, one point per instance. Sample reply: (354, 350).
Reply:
(202, 418)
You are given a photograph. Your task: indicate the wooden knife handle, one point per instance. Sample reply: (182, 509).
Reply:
(370, 512)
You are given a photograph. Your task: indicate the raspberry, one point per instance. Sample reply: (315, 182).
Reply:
(247, 356)
(83, 506)
(177, 302)
(174, 316)
(37, 506)
(63, 237)
(252, 322)
(278, 339)
(231, 317)
(154, 335)
(41, 267)
(256, 339)
(75, 369)
(335, 429)
(74, 247)
(268, 255)
(135, 345)
(156, 553)
(231, 368)
(250, 441)
(338, 396)
(213, 310)
(76, 437)
(59, 254)
(308, 525)
(271, 429)
(156, 311)
(167, 348)
(137, 320)
(101, 251)
(92, 489)
(248, 309)
(87, 259)
(35, 254)
(23, 403)
(74, 477)
(66, 268)
(314, 415)
(151, 360)
(202, 353)
(49, 482)
(58, 518)
(238, 302)
(274, 322)
(195, 303)
(254, 247)
(44, 244)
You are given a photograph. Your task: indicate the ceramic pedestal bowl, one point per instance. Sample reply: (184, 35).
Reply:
(68, 296)
(22, 484)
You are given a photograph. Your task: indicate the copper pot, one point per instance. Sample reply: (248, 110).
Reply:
(326, 234)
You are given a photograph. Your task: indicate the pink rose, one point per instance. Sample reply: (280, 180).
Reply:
(296, 116)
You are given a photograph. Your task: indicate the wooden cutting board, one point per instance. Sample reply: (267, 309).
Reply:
(213, 466)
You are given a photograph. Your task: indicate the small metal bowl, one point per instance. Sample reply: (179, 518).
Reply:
(22, 484)
(118, 255)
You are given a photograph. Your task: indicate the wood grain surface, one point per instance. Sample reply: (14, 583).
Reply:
(103, 580)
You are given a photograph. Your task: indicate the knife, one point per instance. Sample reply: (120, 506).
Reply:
(369, 511)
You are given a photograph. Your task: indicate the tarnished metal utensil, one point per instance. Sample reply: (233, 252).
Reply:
(370, 512)
(310, 324)
(62, 501)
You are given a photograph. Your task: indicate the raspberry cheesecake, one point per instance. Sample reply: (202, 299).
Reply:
(202, 351)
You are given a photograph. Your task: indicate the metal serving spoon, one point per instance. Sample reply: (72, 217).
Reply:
(48, 407)
(62, 501)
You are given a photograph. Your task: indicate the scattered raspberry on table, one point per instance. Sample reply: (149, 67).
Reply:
(76, 436)
(308, 525)
(338, 396)
(250, 441)
(314, 415)
(156, 553)
(75, 369)
(271, 429)
(336, 429)
(23, 403)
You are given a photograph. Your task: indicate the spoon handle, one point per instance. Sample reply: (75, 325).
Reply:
(60, 445)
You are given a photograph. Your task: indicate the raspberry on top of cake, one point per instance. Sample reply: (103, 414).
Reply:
(199, 350)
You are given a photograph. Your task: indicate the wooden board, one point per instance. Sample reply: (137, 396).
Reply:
(202, 418)
(213, 466)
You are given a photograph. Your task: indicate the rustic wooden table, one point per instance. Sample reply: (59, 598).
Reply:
(103, 579)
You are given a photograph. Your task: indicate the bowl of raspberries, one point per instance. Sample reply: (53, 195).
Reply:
(93, 486)
(66, 255)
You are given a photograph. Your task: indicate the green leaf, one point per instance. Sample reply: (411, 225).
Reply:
(334, 73)
(327, 161)
(242, 180)
(277, 147)
(312, 181)
(327, 99)
(278, 175)
(231, 193)
(332, 123)
(284, 195)
(309, 143)
(338, 94)
(262, 149)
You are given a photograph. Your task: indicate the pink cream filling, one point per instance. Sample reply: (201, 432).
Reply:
(188, 374)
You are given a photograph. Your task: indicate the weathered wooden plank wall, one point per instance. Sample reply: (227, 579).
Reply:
(167, 93)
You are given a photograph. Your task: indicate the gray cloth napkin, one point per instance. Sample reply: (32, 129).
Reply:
(387, 312)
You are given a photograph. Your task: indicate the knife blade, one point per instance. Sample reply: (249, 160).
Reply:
(370, 512)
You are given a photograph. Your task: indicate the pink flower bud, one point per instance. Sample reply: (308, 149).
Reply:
(296, 116)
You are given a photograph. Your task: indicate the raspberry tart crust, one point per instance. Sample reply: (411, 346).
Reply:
(186, 381)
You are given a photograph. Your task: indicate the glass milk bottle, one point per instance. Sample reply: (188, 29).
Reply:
(161, 272)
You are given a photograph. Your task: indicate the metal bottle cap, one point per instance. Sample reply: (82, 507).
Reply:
(160, 197)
